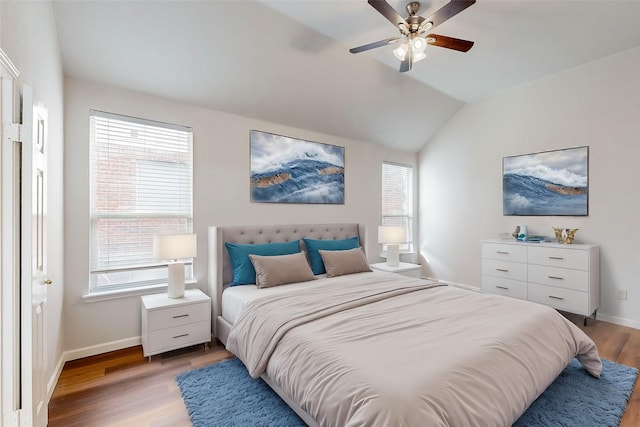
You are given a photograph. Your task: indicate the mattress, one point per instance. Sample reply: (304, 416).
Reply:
(235, 298)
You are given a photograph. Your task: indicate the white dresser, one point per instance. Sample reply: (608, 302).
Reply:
(172, 323)
(566, 277)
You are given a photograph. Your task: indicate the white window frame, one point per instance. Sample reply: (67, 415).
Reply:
(156, 151)
(399, 216)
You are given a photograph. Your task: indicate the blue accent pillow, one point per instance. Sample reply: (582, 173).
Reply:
(243, 271)
(313, 246)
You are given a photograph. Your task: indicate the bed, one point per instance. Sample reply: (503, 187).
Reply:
(375, 348)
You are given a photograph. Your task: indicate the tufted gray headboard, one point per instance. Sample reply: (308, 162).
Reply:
(220, 273)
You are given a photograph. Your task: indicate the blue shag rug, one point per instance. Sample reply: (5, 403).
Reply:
(224, 395)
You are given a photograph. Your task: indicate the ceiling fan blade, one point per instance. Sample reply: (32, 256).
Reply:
(447, 11)
(375, 45)
(388, 12)
(449, 42)
(408, 62)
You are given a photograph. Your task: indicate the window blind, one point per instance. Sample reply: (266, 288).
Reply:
(397, 198)
(141, 185)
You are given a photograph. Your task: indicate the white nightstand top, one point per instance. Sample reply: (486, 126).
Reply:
(155, 301)
(402, 266)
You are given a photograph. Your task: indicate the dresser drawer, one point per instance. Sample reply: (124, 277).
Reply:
(179, 315)
(559, 277)
(560, 298)
(177, 337)
(504, 269)
(559, 257)
(504, 252)
(507, 287)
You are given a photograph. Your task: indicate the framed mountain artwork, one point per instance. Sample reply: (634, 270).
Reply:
(547, 183)
(290, 170)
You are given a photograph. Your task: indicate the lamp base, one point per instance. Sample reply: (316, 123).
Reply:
(393, 255)
(176, 280)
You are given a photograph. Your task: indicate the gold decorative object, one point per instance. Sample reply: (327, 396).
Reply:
(565, 235)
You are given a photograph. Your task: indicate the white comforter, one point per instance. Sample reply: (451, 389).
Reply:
(378, 349)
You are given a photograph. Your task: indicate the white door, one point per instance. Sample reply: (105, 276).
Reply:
(34, 279)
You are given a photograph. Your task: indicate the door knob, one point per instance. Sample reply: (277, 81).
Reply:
(47, 282)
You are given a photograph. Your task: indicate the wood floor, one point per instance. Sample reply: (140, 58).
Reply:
(123, 389)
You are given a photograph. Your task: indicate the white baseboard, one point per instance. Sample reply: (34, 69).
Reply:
(618, 320)
(51, 384)
(101, 348)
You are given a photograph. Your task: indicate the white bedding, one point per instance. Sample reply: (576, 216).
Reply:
(381, 349)
(235, 298)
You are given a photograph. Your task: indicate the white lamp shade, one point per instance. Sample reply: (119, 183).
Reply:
(392, 234)
(175, 246)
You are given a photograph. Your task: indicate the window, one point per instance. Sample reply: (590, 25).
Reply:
(397, 199)
(141, 185)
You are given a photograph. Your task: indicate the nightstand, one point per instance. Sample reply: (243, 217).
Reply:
(404, 268)
(172, 323)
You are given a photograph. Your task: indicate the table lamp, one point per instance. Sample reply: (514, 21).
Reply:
(392, 236)
(174, 247)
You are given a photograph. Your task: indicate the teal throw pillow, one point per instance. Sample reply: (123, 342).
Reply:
(243, 271)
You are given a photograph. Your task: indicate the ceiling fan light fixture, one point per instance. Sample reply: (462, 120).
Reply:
(401, 51)
(419, 56)
(418, 44)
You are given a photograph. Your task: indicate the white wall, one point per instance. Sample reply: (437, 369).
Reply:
(28, 36)
(597, 105)
(221, 194)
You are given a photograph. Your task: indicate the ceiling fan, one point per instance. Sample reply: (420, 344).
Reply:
(414, 30)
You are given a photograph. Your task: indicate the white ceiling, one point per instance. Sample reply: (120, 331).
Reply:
(288, 61)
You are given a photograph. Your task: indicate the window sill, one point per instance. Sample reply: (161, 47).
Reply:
(127, 293)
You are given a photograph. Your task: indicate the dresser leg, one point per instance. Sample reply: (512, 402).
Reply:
(595, 312)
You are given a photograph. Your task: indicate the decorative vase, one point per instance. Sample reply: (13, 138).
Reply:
(522, 236)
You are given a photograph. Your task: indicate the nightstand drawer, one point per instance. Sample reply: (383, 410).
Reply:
(559, 277)
(504, 252)
(178, 315)
(180, 336)
(507, 287)
(562, 299)
(504, 269)
(559, 257)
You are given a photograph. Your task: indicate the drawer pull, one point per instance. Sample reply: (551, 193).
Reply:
(556, 277)
(180, 336)
(504, 270)
(180, 315)
(555, 297)
(501, 287)
(559, 258)
(502, 252)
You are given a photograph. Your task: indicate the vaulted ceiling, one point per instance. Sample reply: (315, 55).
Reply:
(289, 62)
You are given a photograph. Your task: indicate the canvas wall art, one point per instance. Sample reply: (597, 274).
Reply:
(547, 183)
(290, 170)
